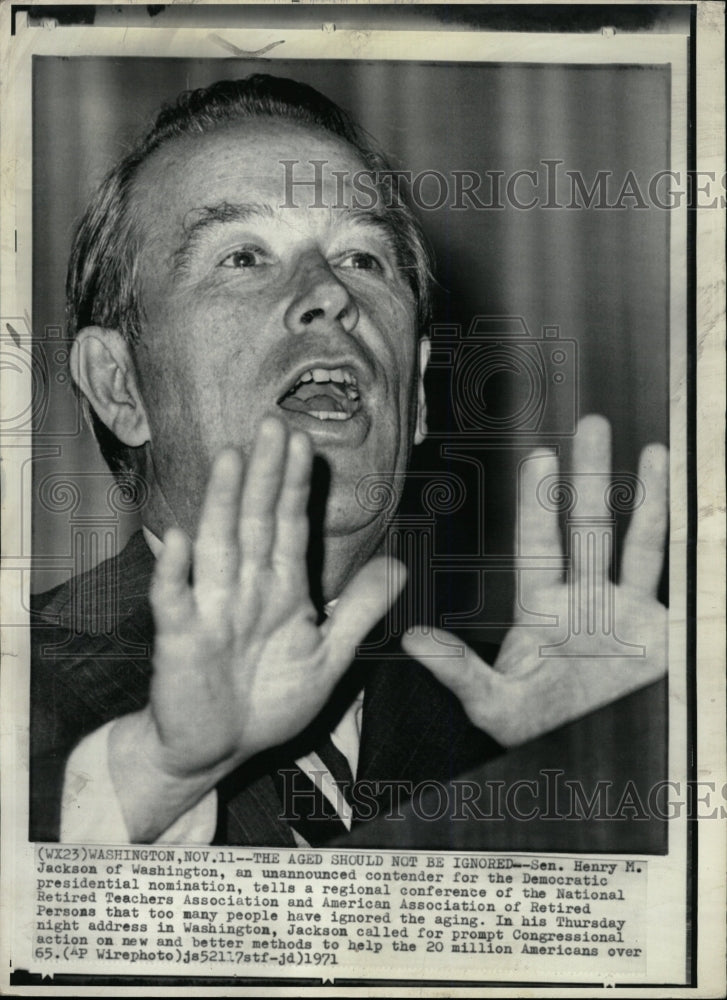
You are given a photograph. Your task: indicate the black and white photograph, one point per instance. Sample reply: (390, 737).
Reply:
(356, 450)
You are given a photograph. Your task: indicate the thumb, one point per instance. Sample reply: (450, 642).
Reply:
(362, 604)
(460, 669)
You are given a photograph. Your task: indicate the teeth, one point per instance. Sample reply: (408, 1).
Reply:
(329, 415)
(328, 375)
(337, 375)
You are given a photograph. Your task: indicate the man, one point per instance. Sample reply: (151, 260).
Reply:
(235, 345)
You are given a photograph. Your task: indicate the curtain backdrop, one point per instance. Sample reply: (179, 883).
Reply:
(601, 276)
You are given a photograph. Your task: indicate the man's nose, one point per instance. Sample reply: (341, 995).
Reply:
(322, 303)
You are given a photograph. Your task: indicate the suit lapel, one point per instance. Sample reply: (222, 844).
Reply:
(251, 814)
(91, 645)
(101, 645)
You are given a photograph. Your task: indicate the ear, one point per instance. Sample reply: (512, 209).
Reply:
(425, 346)
(103, 369)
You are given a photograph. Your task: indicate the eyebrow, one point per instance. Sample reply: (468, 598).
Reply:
(223, 213)
(209, 216)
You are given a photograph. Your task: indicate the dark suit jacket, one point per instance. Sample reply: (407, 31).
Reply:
(91, 648)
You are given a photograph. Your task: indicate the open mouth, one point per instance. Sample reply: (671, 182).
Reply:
(324, 394)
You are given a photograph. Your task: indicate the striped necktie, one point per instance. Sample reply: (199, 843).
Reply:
(306, 806)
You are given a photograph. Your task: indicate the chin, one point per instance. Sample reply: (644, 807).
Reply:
(353, 503)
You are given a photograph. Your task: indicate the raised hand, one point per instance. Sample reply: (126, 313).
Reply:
(598, 641)
(240, 662)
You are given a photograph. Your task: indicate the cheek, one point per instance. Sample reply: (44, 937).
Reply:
(174, 400)
(164, 384)
(397, 348)
(195, 361)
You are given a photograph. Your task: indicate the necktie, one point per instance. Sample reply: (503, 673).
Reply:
(306, 807)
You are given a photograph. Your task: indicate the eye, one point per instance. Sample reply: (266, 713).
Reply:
(244, 257)
(361, 260)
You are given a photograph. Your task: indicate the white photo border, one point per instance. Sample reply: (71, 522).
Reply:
(696, 309)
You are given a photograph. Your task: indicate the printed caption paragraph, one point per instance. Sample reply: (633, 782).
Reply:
(251, 911)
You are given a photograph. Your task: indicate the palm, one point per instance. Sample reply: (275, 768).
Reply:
(578, 642)
(232, 710)
(546, 691)
(240, 661)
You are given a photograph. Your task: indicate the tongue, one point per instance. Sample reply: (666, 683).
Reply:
(319, 396)
(312, 403)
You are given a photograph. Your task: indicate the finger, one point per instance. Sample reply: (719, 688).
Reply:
(643, 556)
(362, 604)
(592, 465)
(537, 541)
(170, 594)
(467, 676)
(292, 526)
(260, 492)
(592, 471)
(216, 554)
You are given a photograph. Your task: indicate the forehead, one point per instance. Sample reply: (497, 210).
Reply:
(260, 161)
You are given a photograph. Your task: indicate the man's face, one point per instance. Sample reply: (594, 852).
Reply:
(251, 308)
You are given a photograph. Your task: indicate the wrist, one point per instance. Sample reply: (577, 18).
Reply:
(153, 791)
